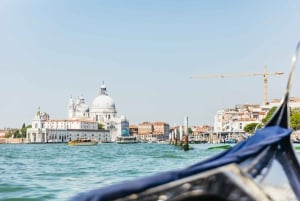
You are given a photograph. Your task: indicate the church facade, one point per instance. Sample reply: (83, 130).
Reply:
(100, 123)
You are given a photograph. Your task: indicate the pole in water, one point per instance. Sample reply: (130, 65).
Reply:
(186, 143)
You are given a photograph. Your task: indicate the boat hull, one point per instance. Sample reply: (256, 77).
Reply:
(82, 143)
(126, 140)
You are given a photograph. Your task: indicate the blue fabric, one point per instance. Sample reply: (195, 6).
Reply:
(243, 150)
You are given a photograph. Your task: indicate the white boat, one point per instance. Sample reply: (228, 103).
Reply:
(126, 140)
(82, 142)
(163, 142)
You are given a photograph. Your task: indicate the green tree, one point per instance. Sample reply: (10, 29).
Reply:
(249, 128)
(295, 120)
(24, 130)
(100, 126)
(190, 131)
(269, 115)
(17, 134)
(8, 133)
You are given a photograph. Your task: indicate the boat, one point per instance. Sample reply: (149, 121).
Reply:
(219, 147)
(229, 176)
(230, 141)
(82, 142)
(163, 142)
(296, 141)
(126, 140)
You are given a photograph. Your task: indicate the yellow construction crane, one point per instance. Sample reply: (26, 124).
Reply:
(265, 75)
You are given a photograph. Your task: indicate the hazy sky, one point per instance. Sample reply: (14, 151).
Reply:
(145, 51)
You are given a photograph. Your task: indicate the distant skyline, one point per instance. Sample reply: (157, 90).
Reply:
(145, 52)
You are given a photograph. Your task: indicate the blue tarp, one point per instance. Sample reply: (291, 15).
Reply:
(251, 147)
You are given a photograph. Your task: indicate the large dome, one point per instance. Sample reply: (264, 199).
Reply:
(103, 102)
(103, 107)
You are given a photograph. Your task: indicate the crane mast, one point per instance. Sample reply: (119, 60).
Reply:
(265, 75)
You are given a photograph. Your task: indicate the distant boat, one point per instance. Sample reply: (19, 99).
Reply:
(220, 147)
(126, 140)
(82, 142)
(297, 141)
(163, 142)
(230, 141)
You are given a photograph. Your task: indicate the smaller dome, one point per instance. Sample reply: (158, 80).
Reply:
(82, 107)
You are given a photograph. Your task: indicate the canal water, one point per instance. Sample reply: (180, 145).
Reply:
(58, 171)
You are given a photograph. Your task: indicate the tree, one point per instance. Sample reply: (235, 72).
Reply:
(190, 131)
(100, 126)
(250, 128)
(269, 115)
(8, 133)
(295, 120)
(18, 133)
(24, 130)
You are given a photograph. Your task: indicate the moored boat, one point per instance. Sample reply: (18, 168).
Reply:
(126, 140)
(82, 142)
(296, 141)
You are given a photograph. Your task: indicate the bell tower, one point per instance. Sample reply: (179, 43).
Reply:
(71, 108)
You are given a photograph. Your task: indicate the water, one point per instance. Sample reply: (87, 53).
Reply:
(58, 172)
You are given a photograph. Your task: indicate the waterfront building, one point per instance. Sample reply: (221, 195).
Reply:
(233, 120)
(46, 130)
(161, 130)
(133, 130)
(78, 109)
(104, 112)
(103, 108)
(201, 134)
(229, 123)
(82, 122)
(294, 102)
(119, 127)
(153, 131)
(176, 133)
(2, 133)
(145, 128)
(2, 136)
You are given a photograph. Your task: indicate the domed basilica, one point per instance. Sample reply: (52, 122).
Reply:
(103, 107)
(103, 111)
(82, 123)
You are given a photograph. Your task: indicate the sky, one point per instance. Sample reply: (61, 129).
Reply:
(145, 52)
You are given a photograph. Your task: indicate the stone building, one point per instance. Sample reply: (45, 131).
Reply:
(82, 122)
(153, 131)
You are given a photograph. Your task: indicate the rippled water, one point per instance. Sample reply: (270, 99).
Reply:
(58, 172)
